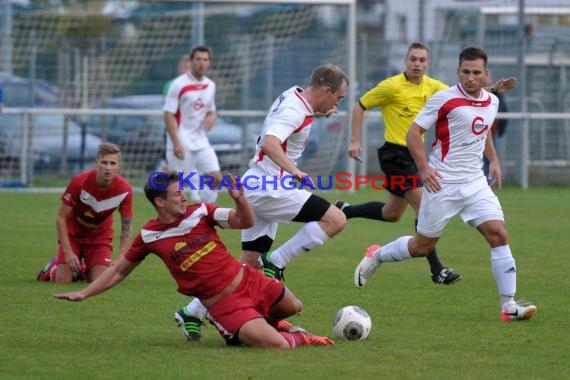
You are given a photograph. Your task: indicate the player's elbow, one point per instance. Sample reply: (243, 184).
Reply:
(247, 223)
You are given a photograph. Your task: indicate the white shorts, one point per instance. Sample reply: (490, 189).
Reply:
(271, 206)
(475, 202)
(200, 161)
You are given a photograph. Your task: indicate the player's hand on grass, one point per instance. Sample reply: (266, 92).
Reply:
(71, 296)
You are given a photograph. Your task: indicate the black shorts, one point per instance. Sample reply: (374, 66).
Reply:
(399, 168)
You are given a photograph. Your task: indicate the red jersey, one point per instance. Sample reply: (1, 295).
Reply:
(191, 250)
(93, 207)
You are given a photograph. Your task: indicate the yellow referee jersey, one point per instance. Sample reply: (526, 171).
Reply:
(400, 101)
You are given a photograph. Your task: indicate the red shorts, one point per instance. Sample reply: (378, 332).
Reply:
(253, 298)
(93, 253)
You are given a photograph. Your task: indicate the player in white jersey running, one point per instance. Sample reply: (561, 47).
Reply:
(189, 113)
(272, 185)
(274, 181)
(454, 182)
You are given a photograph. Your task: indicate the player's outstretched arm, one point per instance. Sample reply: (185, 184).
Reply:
(111, 277)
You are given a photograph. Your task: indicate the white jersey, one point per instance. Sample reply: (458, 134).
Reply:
(289, 119)
(190, 100)
(461, 127)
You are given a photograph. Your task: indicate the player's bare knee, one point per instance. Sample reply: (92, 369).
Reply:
(498, 237)
(63, 278)
(336, 220)
(420, 248)
(391, 218)
(298, 306)
(291, 305)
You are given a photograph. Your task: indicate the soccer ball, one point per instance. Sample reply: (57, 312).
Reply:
(352, 323)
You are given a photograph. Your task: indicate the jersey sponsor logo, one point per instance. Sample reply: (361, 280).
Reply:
(198, 104)
(180, 245)
(197, 255)
(86, 224)
(478, 126)
(407, 113)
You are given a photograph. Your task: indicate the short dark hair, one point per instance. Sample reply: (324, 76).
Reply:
(417, 45)
(471, 53)
(201, 48)
(159, 185)
(328, 75)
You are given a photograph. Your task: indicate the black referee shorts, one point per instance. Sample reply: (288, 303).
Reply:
(397, 162)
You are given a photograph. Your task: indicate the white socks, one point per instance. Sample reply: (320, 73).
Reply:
(505, 272)
(307, 238)
(196, 309)
(396, 250)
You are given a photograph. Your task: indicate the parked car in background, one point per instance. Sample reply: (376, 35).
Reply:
(49, 144)
(25, 92)
(142, 138)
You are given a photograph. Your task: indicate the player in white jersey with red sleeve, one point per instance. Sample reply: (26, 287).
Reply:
(454, 182)
(457, 151)
(290, 121)
(273, 182)
(272, 185)
(189, 113)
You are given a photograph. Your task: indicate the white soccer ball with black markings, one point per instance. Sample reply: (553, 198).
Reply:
(352, 323)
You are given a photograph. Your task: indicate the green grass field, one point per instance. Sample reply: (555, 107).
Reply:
(419, 330)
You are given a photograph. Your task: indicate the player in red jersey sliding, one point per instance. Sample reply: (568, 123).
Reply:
(244, 305)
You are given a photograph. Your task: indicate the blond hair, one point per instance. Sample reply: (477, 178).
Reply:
(108, 148)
